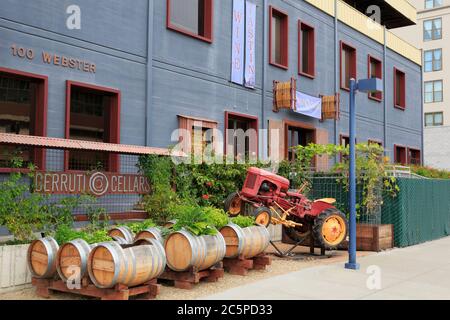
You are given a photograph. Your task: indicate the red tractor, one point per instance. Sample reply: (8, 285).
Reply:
(271, 201)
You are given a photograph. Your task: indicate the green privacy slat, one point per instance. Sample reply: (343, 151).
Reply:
(420, 213)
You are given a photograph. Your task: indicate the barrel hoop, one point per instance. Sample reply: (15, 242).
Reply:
(133, 264)
(50, 254)
(162, 254)
(241, 238)
(223, 247)
(204, 249)
(193, 244)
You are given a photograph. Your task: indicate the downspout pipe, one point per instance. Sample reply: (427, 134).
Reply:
(385, 142)
(149, 75)
(336, 69)
(422, 153)
(264, 73)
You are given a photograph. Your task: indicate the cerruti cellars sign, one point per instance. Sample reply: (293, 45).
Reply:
(94, 183)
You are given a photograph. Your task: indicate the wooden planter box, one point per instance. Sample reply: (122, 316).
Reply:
(368, 238)
(14, 273)
(374, 237)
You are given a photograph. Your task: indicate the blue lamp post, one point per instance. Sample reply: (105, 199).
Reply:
(366, 85)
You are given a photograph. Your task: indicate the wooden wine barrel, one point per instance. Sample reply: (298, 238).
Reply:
(150, 233)
(122, 232)
(119, 240)
(246, 242)
(109, 264)
(72, 258)
(41, 258)
(184, 250)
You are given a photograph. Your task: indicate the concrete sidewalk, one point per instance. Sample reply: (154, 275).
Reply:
(419, 272)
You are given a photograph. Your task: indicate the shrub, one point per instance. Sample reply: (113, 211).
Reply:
(158, 171)
(243, 221)
(24, 212)
(429, 172)
(65, 233)
(137, 227)
(194, 184)
(216, 217)
(199, 220)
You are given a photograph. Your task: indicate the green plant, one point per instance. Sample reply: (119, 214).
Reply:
(65, 233)
(194, 184)
(370, 170)
(20, 209)
(429, 172)
(25, 212)
(97, 236)
(95, 214)
(216, 217)
(158, 171)
(209, 184)
(137, 227)
(243, 221)
(194, 219)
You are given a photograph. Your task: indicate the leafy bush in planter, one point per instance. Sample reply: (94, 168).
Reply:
(137, 227)
(198, 220)
(65, 234)
(24, 212)
(243, 221)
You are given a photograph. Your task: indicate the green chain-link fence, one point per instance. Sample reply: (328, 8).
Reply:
(420, 212)
(331, 186)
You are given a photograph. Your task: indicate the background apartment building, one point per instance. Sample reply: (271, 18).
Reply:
(432, 34)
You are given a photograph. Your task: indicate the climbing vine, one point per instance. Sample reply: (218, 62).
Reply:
(370, 169)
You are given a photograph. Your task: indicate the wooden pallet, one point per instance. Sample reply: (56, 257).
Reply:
(240, 265)
(145, 291)
(188, 279)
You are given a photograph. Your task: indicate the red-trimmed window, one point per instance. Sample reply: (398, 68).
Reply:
(345, 140)
(191, 17)
(278, 38)
(23, 111)
(241, 136)
(400, 155)
(414, 157)
(306, 50)
(375, 70)
(297, 135)
(92, 114)
(399, 89)
(348, 65)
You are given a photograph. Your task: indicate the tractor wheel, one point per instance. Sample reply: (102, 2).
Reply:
(330, 228)
(262, 216)
(234, 205)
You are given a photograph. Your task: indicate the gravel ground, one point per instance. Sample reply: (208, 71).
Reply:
(279, 266)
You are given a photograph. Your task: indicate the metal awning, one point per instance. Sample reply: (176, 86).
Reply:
(394, 13)
(68, 144)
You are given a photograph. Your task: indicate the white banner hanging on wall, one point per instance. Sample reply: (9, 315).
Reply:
(237, 56)
(308, 105)
(250, 35)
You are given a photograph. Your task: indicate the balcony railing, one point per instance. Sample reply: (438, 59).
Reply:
(360, 22)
